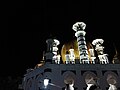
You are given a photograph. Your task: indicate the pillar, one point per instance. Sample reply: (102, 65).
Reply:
(72, 56)
(100, 51)
(92, 56)
(80, 34)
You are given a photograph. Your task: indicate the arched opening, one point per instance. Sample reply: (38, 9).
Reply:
(91, 81)
(38, 83)
(69, 81)
(29, 84)
(112, 81)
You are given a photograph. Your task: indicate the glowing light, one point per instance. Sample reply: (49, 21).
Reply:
(88, 86)
(112, 87)
(46, 82)
(67, 46)
(71, 86)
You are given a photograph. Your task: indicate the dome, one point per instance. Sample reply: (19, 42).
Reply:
(65, 48)
(74, 45)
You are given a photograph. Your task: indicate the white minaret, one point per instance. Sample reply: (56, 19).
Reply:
(92, 55)
(67, 58)
(58, 59)
(72, 56)
(51, 54)
(102, 57)
(55, 50)
(80, 34)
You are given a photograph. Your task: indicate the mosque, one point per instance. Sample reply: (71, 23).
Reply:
(78, 66)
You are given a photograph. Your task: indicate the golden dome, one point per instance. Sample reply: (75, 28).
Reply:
(74, 45)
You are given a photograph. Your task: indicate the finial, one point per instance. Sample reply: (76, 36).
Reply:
(97, 41)
(79, 26)
(56, 41)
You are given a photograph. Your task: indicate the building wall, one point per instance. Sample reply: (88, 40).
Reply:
(80, 74)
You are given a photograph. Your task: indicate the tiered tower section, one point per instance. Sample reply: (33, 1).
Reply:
(80, 34)
(99, 48)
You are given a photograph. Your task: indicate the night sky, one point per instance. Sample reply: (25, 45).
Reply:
(29, 24)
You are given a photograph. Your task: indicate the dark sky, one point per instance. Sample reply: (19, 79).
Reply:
(29, 24)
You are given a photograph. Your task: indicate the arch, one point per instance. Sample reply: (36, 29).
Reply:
(29, 84)
(47, 74)
(69, 80)
(111, 77)
(112, 80)
(38, 81)
(69, 77)
(90, 79)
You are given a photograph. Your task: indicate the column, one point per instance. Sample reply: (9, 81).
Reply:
(92, 56)
(72, 56)
(55, 50)
(52, 49)
(80, 34)
(99, 48)
(67, 58)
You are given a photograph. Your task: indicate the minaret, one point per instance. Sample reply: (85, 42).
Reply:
(72, 56)
(51, 54)
(56, 57)
(92, 56)
(99, 48)
(67, 57)
(80, 34)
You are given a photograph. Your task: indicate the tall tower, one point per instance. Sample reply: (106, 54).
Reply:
(55, 75)
(80, 34)
(100, 51)
(51, 54)
(56, 57)
(92, 56)
(72, 56)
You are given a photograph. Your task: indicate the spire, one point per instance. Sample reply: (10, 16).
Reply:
(80, 34)
(67, 57)
(91, 53)
(52, 50)
(79, 26)
(100, 51)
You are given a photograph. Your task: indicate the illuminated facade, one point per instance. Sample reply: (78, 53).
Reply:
(80, 68)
